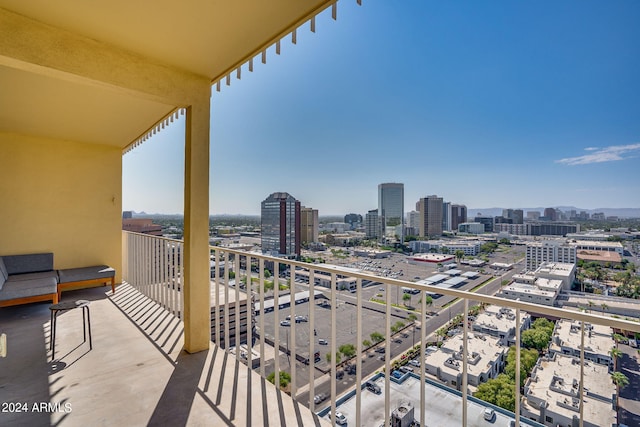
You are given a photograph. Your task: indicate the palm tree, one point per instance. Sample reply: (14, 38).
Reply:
(615, 353)
(590, 304)
(621, 381)
(604, 306)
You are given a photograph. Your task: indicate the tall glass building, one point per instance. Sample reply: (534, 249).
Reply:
(391, 211)
(281, 225)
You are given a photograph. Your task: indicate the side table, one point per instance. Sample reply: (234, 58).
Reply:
(56, 309)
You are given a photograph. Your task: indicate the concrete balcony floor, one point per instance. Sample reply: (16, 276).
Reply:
(135, 375)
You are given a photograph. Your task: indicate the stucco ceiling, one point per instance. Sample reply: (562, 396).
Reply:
(207, 38)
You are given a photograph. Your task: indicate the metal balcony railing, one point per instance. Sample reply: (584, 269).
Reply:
(250, 292)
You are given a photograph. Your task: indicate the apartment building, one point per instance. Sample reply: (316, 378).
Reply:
(280, 221)
(552, 393)
(485, 357)
(309, 225)
(556, 250)
(371, 224)
(500, 322)
(598, 341)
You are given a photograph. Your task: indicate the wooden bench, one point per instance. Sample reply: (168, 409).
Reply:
(72, 277)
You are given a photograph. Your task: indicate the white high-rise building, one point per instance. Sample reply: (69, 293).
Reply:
(549, 251)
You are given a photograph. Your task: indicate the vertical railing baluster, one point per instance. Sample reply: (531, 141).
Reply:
(250, 311)
(422, 358)
(261, 284)
(237, 316)
(216, 297)
(292, 350)
(226, 301)
(465, 357)
(313, 339)
(581, 390)
(358, 351)
(276, 321)
(518, 379)
(387, 357)
(334, 368)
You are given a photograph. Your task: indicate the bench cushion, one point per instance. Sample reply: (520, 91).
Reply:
(86, 273)
(30, 263)
(14, 289)
(3, 273)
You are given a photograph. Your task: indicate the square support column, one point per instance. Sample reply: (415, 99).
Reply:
(196, 280)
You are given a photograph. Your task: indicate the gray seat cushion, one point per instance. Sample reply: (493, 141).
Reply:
(33, 276)
(21, 289)
(86, 273)
(30, 263)
(3, 273)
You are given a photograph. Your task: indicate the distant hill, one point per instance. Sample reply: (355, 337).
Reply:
(619, 212)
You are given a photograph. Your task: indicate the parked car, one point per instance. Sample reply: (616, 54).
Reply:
(285, 323)
(396, 374)
(319, 398)
(406, 369)
(351, 369)
(380, 350)
(372, 387)
(339, 375)
(340, 418)
(414, 362)
(301, 319)
(489, 414)
(322, 341)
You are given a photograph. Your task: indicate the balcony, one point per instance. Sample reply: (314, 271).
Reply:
(138, 374)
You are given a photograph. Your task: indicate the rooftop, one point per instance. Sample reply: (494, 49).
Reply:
(555, 380)
(598, 339)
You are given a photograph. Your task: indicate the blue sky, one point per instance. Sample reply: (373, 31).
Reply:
(502, 103)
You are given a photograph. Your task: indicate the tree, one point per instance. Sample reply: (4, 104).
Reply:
(366, 343)
(285, 379)
(528, 359)
(621, 381)
(604, 307)
(376, 337)
(267, 273)
(590, 304)
(499, 391)
(412, 317)
(406, 297)
(459, 254)
(347, 350)
(615, 353)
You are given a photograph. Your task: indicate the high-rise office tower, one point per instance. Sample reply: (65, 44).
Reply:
(391, 210)
(309, 225)
(446, 216)
(458, 215)
(281, 226)
(430, 209)
(371, 226)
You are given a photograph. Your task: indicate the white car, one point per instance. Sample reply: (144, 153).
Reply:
(285, 323)
(489, 414)
(322, 341)
(340, 418)
(414, 362)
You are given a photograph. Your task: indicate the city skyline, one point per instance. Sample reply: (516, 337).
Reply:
(499, 104)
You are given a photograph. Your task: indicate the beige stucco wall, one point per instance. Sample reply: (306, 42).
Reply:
(61, 197)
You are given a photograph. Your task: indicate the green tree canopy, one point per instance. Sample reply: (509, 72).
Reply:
(537, 338)
(285, 378)
(499, 391)
(528, 359)
(376, 337)
(348, 350)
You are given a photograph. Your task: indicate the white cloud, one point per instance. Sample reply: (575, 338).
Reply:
(599, 155)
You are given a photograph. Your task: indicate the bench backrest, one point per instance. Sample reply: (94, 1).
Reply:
(29, 263)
